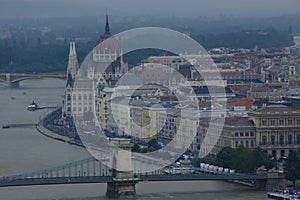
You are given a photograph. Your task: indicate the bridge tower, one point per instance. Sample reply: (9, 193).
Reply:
(8, 79)
(123, 181)
(274, 178)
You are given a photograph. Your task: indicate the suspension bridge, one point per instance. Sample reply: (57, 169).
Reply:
(91, 170)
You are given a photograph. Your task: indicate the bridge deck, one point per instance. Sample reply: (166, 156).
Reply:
(6, 182)
(91, 170)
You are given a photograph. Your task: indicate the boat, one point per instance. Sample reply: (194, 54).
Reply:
(33, 106)
(5, 126)
(282, 195)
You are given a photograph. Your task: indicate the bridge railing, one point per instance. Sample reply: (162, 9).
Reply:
(81, 168)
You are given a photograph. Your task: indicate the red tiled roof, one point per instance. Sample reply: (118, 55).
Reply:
(260, 89)
(240, 87)
(246, 103)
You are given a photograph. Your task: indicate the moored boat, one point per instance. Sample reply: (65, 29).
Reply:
(282, 195)
(5, 126)
(33, 106)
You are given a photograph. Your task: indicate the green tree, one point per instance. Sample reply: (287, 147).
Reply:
(292, 167)
(153, 144)
(136, 148)
(262, 158)
(195, 161)
(243, 160)
(224, 157)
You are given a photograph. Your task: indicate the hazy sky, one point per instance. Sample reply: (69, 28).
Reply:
(184, 8)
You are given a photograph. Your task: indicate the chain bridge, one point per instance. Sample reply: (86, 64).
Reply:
(91, 170)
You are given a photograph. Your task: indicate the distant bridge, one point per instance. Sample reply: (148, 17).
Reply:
(15, 78)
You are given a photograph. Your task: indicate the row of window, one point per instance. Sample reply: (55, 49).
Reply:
(282, 152)
(281, 140)
(245, 143)
(280, 122)
(85, 98)
(244, 134)
(80, 109)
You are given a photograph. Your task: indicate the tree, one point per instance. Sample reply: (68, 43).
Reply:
(136, 148)
(292, 167)
(262, 158)
(243, 160)
(153, 144)
(224, 157)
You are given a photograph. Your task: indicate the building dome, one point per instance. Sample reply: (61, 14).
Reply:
(108, 45)
(108, 48)
(107, 51)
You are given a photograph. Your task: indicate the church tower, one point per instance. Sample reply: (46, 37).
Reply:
(72, 70)
(72, 63)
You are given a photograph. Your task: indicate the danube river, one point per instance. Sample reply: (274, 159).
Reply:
(24, 150)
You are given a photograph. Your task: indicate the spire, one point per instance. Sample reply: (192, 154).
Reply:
(70, 49)
(107, 31)
(72, 63)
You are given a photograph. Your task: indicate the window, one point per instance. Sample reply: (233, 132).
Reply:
(263, 122)
(241, 134)
(246, 134)
(272, 122)
(289, 139)
(242, 143)
(252, 143)
(281, 140)
(274, 153)
(282, 153)
(272, 139)
(251, 133)
(290, 122)
(236, 144)
(281, 122)
(264, 140)
(247, 143)
(298, 121)
(236, 134)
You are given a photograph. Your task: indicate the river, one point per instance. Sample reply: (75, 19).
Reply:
(25, 149)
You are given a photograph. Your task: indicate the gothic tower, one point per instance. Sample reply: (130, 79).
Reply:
(72, 70)
(73, 62)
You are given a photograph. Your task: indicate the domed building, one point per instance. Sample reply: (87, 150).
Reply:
(107, 65)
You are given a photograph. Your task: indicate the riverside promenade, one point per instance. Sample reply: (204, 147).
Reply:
(41, 128)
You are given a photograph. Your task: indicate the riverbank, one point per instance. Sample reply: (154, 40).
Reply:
(48, 133)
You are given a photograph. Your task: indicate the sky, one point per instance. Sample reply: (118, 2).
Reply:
(180, 8)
